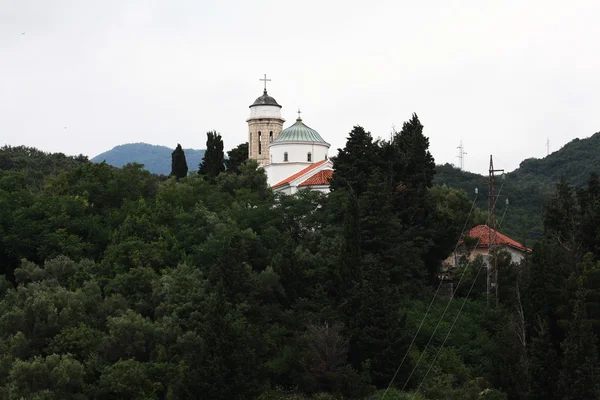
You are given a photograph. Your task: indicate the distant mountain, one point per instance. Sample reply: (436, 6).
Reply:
(156, 159)
(528, 187)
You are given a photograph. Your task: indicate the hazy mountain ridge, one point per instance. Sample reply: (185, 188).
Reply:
(155, 158)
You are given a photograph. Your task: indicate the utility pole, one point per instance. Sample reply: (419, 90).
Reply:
(461, 155)
(492, 226)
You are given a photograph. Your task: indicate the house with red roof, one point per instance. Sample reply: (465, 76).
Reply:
(480, 238)
(294, 158)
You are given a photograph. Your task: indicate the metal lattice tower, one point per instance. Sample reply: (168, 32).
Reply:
(492, 237)
(461, 155)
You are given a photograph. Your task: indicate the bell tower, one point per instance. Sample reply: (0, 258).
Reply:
(264, 125)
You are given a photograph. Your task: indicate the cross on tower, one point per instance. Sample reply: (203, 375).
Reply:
(265, 80)
(299, 112)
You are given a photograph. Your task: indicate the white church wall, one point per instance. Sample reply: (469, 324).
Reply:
(278, 172)
(298, 152)
(265, 111)
(320, 188)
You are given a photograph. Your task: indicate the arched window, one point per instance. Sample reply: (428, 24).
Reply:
(309, 157)
(259, 143)
(285, 157)
(326, 156)
(250, 144)
(270, 136)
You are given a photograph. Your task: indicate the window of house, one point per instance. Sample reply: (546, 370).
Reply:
(259, 143)
(309, 157)
(270, 136)
(285, 156)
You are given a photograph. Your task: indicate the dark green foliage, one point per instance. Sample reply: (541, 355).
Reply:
(119, 285)
(213, 162)
(179, 167)
(355, 163)
(236, 157)
(156, 159)
(580, 375)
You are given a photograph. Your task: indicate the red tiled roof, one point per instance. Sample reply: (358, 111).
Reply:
(320, 178)
(482, 233)
(300, 173)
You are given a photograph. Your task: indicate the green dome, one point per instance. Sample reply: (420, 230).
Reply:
(299, 133)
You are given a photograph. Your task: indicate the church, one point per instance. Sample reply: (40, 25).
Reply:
(294, 158)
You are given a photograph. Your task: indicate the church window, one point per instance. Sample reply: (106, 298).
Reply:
(309, 157)
(285, 156)
(259, 143)
(270, 136)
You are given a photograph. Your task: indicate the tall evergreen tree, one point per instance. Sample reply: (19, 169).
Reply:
(236, 157)
(213, 162)
(415, 164)
(580, 376)
(179, 167)
(355, 163)
(351, 262)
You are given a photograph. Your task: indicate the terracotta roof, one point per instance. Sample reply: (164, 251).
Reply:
(482, 233)
(320, 178)
(300, 173)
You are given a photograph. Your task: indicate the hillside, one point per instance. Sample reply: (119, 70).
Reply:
(528, 186)
(156, 159)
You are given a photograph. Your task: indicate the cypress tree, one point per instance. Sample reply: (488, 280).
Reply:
(580, 375)
(213, 162)
(179, 168)
(236, 157)
(355, 163)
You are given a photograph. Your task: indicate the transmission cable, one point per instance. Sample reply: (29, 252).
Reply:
(445, 309)
(457, 315)
(431, 303)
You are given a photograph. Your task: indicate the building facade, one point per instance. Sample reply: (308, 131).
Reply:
(294, 158)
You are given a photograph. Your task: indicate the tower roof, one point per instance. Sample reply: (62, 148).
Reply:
(299, 133)
(265, 100)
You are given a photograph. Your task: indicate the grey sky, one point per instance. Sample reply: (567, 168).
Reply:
(501, 76)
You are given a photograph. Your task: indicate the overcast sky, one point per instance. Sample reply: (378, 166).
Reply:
(83, 76)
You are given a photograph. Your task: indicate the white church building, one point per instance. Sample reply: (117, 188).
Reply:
(294, 158)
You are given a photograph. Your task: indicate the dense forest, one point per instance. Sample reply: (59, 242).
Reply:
(120, 284)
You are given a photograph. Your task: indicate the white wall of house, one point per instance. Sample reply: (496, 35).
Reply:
(318, 188)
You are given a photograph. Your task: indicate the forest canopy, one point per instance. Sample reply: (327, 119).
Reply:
(120, 284)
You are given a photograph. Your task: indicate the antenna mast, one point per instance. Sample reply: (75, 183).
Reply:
(461, 155)
(492, 226)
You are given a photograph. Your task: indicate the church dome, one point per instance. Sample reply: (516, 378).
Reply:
(265, 100)
(299, 133)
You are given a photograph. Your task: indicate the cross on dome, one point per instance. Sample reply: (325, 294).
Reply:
(265, 80)
(299, 112)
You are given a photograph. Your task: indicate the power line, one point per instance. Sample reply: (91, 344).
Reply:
(445, 310)
(455, 319)
(432, 300)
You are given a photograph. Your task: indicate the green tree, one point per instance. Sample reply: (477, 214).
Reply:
(355, 163)
(213, 162)
(580, 375)
(179, 167)
(236, 157)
